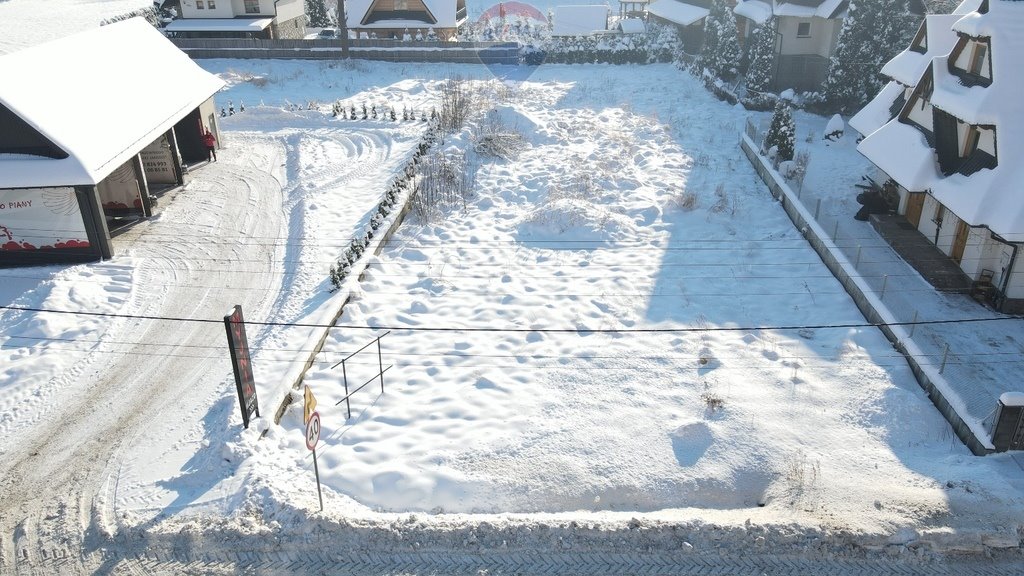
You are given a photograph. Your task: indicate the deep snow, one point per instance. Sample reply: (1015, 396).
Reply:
(620, 368)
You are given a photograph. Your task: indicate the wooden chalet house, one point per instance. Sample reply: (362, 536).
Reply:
(394, 19)
(267, 19)
(954, 143)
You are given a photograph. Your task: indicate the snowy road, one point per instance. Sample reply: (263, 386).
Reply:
(140, 377)
(54, 491)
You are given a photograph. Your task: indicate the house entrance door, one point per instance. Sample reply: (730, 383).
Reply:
(960, 241)
(915, 202)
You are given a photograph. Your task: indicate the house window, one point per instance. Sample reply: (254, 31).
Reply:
(252, 6)
(211, 4)
(200, 5)
(978, 59)
(803, 30)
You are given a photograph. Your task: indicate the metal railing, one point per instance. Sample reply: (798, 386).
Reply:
(379, 375)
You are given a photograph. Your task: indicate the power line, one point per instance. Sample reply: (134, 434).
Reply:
(1017, 355)
(683, 329)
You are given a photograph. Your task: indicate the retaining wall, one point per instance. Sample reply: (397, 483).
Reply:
(971, 434)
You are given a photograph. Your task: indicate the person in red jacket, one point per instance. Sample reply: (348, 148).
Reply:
(210, 141)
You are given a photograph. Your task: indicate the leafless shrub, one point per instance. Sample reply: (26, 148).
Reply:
(723, 203)
(713, 401)
(443, 180)
(800, 473)
(456, 103)
(684, 200)
(494, 138)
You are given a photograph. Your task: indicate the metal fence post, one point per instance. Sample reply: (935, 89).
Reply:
(945, 354)
(913, 324)
(817, 209)
(857, 264)
(835, 231)
(344, 375)
(885, 280)
(380, 366)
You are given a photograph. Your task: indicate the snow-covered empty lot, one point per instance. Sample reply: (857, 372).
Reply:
(618, 329)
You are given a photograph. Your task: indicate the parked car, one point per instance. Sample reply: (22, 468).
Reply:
(328, 34)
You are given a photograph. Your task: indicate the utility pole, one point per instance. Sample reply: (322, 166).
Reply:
(343, 28)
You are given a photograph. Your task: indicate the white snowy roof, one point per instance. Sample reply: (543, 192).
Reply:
(989, 197)
(759, 10)
(907, 66)
(219, 25)
(101, 96)
(680, 13)
(632, 26)
(755, 10)
(876, 113)
(442, 10)
(579, 20)
(901, 151)
(825, 9)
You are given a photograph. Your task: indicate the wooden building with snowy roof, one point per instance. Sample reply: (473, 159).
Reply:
(394, 19)
(91, 126)
(953, 142)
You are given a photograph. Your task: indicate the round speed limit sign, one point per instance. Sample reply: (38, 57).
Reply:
(313, 431)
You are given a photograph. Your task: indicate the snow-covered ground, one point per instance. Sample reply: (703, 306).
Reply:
(616, 325)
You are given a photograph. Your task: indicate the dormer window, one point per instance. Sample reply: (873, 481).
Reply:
(970, 61)
(920, 43)
(803, 30)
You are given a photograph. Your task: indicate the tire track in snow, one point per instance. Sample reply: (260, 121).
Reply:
(56, 507)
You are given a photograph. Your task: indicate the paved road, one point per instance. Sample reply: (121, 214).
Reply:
(184, 560)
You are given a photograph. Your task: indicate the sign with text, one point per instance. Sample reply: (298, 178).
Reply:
(38, 218)
(158, 162)
(239, 346)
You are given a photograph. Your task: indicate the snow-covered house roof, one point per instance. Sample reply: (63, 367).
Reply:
(679, 13)
(219, 25)
(100, 96)
(901, 151)
(991, 196)
(907, 67)
(632, 26)
(755, 10)
(939, 38)
(580, 20)
(367, 14)
(760, 10)
(879, 110)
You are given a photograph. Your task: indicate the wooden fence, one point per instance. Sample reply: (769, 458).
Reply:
(387, 50)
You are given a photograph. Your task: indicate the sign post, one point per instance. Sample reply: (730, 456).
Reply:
(239, 346)
(312, 437)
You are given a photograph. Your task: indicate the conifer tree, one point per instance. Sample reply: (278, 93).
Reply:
(720, 54)
(782, 133)
(316, 11)
(762, 57)
(873, 32)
